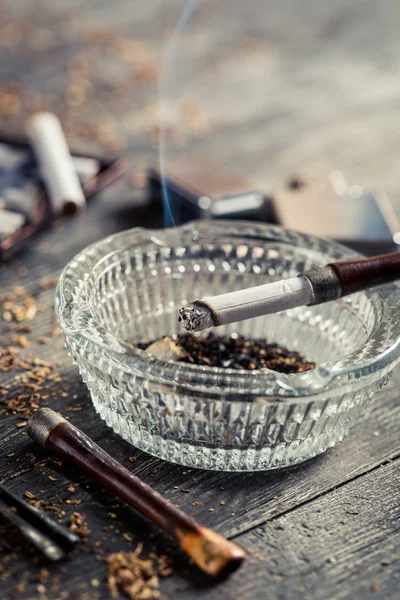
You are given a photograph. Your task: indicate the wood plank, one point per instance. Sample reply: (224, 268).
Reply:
(343, 546)
(302, 100)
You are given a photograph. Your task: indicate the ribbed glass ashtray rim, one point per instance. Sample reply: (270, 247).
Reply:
(98, 344)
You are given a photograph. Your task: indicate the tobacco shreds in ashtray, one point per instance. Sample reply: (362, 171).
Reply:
(234, 352)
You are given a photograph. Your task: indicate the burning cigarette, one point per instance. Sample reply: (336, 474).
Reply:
(55, 164)
(312, 287)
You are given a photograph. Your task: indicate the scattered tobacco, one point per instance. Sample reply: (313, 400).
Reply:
(102, 69)
(78, 525)
(32, 377)
(136, 577)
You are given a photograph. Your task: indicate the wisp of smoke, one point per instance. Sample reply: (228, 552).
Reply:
(167, 61)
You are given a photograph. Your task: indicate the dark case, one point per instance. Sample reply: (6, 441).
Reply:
(199, 188)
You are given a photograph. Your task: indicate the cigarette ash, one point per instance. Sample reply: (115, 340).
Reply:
(196, 317)
(229, 352)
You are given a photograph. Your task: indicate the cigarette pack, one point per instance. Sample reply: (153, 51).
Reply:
(25, 208)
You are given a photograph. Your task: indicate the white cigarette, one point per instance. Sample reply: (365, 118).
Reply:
(55, 164)
(316, 286)
(10, 222)
(247, 304)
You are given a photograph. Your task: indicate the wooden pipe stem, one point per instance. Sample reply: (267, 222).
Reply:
(362, 273)
(209, 550)
(347, 277)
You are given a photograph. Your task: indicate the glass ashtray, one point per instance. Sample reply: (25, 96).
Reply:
(128, 288)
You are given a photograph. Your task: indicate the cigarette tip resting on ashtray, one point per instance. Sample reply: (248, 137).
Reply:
(316, 286)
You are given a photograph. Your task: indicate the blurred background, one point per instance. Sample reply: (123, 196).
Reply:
(265, 88)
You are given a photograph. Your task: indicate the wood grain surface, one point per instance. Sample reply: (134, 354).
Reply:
(344, 545)
(266, 88)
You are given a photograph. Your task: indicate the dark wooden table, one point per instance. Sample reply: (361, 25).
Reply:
(278, 86)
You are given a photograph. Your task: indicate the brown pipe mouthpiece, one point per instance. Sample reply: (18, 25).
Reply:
(214, 554)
